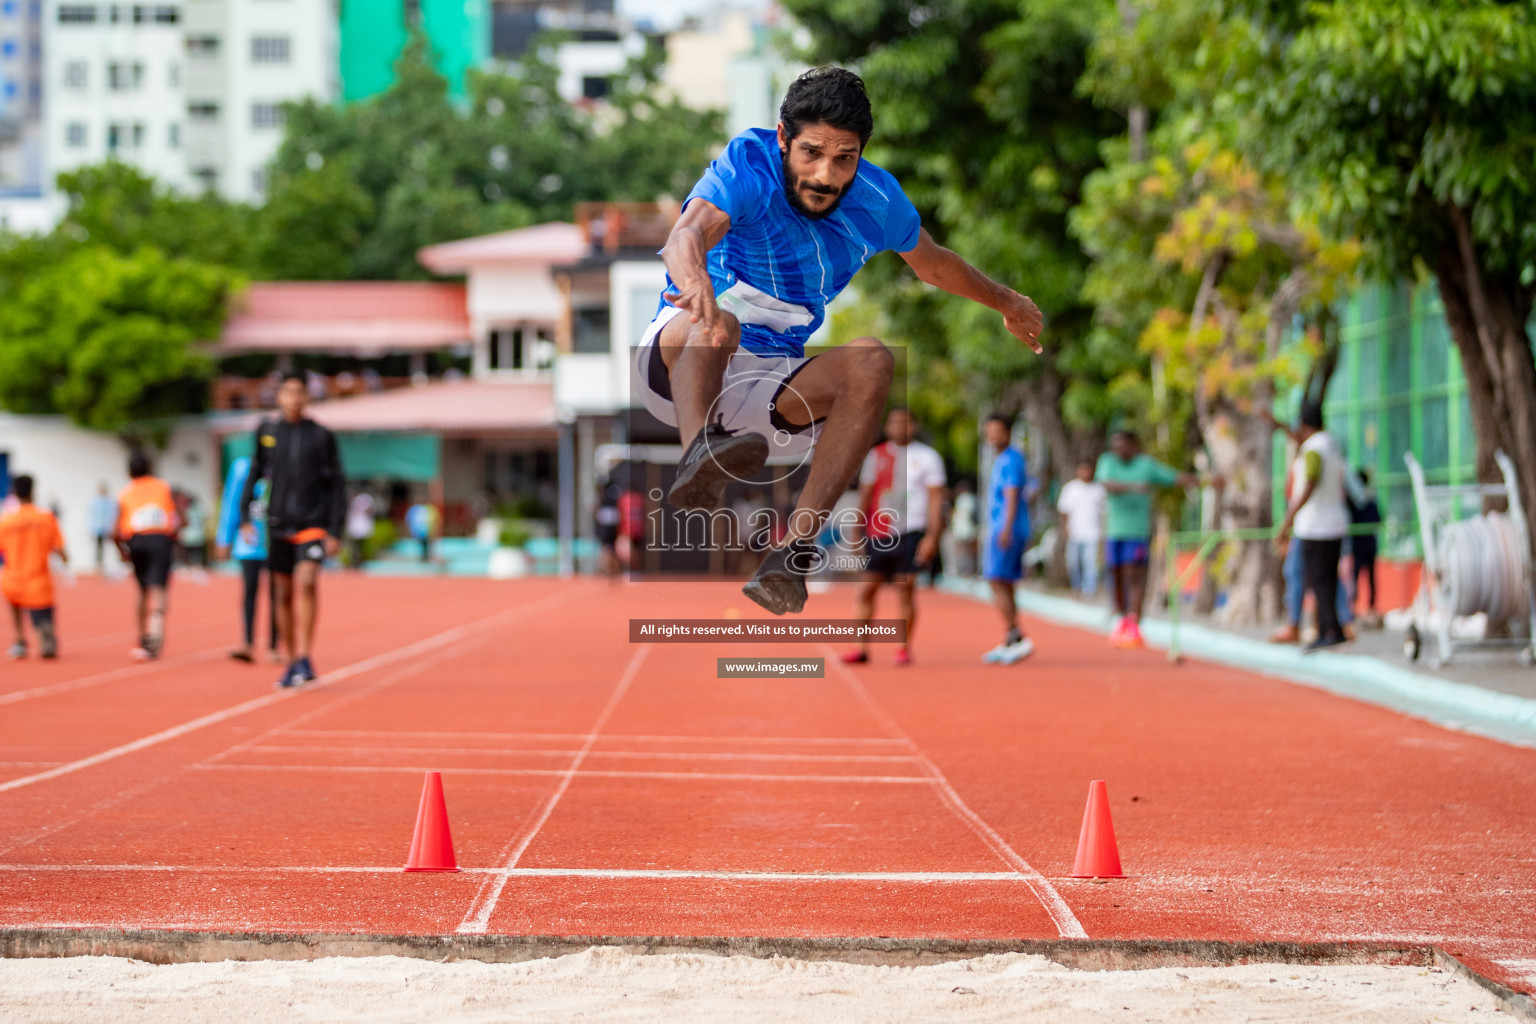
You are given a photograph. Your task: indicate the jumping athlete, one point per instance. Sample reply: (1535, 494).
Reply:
(773, 231)
(306, 507)
(145, 535)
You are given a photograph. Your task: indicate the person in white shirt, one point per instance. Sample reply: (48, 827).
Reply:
(1082, 503)
(901, 493)
(1318, 515)
(359, 528)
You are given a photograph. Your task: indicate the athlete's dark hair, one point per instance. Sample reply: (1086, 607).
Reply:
(1003, 418)
(1312, 414)
(831, 96)
(139, 465)
(295, 375)
(1129, 435)
(21, 486)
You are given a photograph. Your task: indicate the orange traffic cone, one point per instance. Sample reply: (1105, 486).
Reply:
(432, 845)
(1097, 855)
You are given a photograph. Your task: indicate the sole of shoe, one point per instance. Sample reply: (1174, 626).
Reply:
(778, 594)
(702, 485)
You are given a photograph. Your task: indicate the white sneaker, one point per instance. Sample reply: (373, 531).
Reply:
(1017, 651)
(996, 654)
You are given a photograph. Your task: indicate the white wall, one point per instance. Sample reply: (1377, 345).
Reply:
(509, 296)
(69, 463)
(576, 61)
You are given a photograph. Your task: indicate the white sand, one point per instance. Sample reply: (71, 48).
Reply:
(612, 985)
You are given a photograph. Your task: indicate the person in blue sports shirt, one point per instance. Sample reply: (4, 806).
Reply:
(250, 553)
(1006, 537)
(773, 231)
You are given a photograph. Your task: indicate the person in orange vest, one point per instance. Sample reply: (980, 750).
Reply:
(27, 537)
(146, 536)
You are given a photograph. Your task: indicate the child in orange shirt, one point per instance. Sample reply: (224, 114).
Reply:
(27, 537)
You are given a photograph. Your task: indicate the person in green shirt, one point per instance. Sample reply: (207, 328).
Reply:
(1128, 476)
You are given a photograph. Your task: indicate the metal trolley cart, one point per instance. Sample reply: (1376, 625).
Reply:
(1480, 564)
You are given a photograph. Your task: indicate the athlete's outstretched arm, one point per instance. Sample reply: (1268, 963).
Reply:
(942, 268)
(686, 255)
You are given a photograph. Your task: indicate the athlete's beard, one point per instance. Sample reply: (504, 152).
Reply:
(792, 186)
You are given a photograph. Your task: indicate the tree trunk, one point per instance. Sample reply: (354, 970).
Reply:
(1487, 318)
(1241, 448)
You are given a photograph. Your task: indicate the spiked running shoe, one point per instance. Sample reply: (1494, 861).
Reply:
(712, 461)
(779, 583)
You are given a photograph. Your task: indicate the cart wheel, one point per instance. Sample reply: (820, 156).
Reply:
(1411, 643)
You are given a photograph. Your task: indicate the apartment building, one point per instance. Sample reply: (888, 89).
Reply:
(21, 97)
(189, 92)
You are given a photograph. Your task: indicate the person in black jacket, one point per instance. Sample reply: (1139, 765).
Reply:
(306, 507)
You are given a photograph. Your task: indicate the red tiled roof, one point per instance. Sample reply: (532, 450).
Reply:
(546, 244)
(464, 406)
(346, 317)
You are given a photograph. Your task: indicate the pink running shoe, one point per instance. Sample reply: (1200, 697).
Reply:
(1130, 637)
(854, 657)
(903, 657)
(1119, 631)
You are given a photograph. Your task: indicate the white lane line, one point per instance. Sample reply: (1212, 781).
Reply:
(609, 738)
(126, 672)
(453, 651)
(562, 773)
(346, 672)
(606, 873)
(659, 755)
(1066, 922)
(478, 917)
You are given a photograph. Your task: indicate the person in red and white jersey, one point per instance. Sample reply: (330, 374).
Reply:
(901, 493)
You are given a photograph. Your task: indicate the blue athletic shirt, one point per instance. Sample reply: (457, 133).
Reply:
(1008, 470)
(773, 249)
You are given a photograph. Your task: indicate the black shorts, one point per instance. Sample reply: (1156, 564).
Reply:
(892, 562)
(283, 555)
(151, 555)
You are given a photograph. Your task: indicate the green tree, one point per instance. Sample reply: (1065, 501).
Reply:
(118, 206)
(111, 340)
(423, 170)
(1412, 124)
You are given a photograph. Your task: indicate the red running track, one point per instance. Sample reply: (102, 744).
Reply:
(601, 788)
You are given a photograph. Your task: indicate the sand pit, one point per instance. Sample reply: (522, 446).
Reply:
(613, 985)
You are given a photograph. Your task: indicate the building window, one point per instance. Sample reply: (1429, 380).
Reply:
(591, 330)
(8, 8)
(266, 115)
(138, 135)
(594, 87)
(10, 89)
(77, 14)
(206, 112)
(203, 46)
(76, 74)
(162, 14)
(259, 182)
(74, 134)
(173, 135)
(114, 137)
(114, 14)
(269, 49)
(208, 177)
(8, 48)
(125, 77)
(412, 13)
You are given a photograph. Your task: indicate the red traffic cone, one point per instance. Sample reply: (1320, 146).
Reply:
(1097, 855)
(432, 845)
